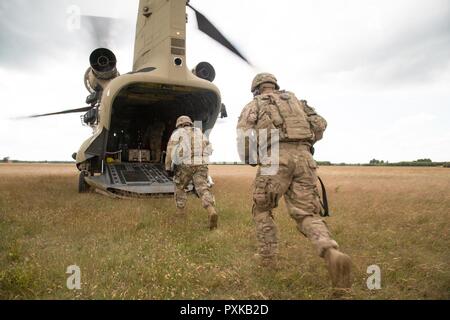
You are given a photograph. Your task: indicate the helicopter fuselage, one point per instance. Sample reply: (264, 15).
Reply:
(131, 105)
(136, 113)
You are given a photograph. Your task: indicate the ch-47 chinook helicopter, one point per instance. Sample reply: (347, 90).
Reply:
(116, 159)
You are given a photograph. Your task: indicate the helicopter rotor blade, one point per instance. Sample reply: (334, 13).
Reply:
(209, 29)
(104, 31)
(79, 110)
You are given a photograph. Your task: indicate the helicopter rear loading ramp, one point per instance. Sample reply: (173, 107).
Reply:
(133, 180)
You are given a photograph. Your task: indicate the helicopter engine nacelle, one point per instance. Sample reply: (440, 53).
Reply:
(102, 70)
(205, 70)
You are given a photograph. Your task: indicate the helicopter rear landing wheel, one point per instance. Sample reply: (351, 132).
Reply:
(83, 187)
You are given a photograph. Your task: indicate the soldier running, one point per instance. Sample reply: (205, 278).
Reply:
(187, 160)
(299, 127)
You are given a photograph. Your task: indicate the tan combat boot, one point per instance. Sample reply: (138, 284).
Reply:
(340, 267)
(213, 218)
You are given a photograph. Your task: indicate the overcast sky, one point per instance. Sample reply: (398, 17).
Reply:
(378, 71)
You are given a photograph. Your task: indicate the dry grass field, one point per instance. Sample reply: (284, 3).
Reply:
(396, 218)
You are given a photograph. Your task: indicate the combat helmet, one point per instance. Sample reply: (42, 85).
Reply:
(184, 120)
(264, 78)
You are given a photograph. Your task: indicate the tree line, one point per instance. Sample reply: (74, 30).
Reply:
(382, 163)
(372, 163)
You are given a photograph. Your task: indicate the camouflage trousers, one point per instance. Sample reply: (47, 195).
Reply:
(198, 175)
(296, 180)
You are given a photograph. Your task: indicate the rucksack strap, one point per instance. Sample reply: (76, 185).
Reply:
(325, 212)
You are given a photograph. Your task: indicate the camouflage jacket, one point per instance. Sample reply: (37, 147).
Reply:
(188, 146)
(264, 112)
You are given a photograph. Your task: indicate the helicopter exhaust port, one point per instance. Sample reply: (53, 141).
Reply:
(103, 63)
(205, 70)
(102, 70)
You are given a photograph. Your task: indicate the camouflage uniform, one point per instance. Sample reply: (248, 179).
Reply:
(299, 128)
(189, 150)
(198, 175)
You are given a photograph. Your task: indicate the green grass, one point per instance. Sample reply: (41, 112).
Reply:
(138, 249)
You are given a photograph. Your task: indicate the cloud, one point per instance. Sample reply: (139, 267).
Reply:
(36, 33)
(411, 48)
(370, 67)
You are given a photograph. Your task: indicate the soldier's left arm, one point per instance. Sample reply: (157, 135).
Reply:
(317, 122)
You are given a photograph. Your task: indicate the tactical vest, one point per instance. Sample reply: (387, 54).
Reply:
(281, 110)
(193, 141)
